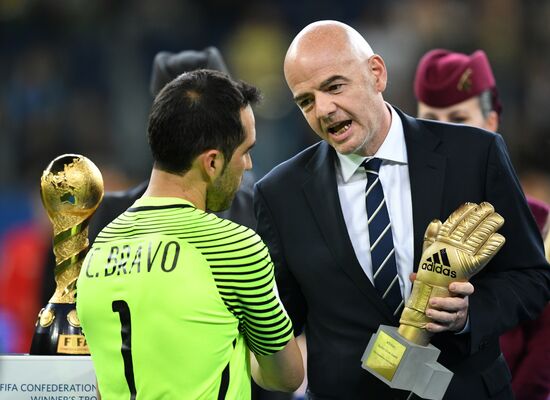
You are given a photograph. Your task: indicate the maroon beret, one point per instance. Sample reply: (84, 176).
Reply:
(444, 78)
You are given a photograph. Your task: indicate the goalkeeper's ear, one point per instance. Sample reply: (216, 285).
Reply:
(431, 233)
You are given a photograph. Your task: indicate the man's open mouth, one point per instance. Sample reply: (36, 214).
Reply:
(339, 128)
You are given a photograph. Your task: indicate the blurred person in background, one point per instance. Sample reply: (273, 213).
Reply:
(22, 257)
(166, 67)
(312, 214)
(460, 88)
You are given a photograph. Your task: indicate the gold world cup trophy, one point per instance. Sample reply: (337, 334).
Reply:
(71, 189)
(452, 252)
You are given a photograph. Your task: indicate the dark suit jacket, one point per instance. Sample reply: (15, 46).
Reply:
(324, 288)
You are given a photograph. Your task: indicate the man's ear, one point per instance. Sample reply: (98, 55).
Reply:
(211, 162)
(378, 70)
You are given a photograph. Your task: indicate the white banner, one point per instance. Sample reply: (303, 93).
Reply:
(26, 377)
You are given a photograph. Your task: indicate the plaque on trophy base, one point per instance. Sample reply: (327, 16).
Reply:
(404, 365)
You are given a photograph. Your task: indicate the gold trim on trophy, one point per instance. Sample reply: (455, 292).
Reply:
(46, 317)
(73, 319)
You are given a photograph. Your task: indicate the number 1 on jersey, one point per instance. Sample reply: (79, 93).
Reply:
(121, 307)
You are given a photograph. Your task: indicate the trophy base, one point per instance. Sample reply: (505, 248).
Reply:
(58, 332)
(404, 365)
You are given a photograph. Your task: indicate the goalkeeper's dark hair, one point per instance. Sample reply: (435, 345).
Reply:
(197, 111)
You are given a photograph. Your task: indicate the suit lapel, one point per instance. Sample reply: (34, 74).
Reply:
(322, 195)
(427, 177)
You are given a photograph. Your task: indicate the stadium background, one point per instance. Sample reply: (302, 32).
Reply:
(74, 77)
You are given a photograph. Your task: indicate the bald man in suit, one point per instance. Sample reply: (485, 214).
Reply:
(311, 213)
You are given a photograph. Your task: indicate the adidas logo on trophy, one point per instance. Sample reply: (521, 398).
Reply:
(439, 263)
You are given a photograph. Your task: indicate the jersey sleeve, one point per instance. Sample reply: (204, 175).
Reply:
(243, 273)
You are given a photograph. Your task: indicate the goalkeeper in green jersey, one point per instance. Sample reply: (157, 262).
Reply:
(172, 299)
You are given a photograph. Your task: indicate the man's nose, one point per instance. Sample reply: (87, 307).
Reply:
(324, 106)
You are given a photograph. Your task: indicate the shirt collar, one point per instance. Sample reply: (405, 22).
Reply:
(161, 201)
(393, 149)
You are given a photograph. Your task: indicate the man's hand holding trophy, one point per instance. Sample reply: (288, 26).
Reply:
(453, 251)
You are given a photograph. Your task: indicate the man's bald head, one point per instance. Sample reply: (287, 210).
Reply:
(337, 82)
(334, 38)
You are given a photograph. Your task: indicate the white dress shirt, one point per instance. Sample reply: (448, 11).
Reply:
(394, 177)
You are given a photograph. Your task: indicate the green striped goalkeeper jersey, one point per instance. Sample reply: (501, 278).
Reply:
(171, 298)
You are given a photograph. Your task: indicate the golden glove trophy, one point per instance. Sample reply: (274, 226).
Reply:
(71, 189)
(453, 251)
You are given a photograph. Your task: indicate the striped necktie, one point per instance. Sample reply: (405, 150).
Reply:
(384, 267)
